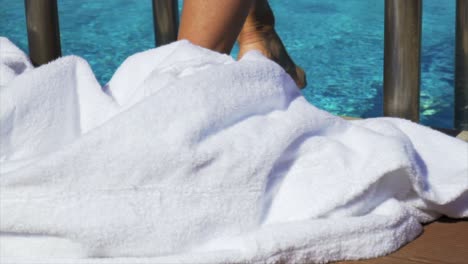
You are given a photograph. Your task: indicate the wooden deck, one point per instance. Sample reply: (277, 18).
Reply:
(444, 241)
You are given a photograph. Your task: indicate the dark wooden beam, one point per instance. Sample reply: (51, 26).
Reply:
(43, 30)
(402, 49)
(461, 66)
(166, 21)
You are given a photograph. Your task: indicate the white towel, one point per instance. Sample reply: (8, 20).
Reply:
(13, 61)
(189, 156)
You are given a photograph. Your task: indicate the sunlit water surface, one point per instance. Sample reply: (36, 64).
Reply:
(338, 43)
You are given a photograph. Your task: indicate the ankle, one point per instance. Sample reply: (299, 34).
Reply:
(254, 34)
(259, 25)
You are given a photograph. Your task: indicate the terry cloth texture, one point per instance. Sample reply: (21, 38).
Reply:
(189, 156)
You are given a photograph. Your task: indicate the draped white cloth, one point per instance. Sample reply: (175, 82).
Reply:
(189, 156)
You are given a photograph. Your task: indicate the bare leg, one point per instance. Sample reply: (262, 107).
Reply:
(216, 24)
(258, 33)
(213, 24)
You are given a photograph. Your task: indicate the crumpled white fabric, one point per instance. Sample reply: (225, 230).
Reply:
(189, 156)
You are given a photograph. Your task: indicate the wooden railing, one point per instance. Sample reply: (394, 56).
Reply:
(44, 34)
(43, 30)
(402, 49)
(165, 21)
(402, 53)
(461, 66)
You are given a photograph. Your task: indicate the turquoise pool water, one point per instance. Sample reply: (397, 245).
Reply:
(338, 43)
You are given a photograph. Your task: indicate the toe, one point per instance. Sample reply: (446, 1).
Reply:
(300, 78)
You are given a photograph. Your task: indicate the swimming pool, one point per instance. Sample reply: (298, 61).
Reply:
(338, 43)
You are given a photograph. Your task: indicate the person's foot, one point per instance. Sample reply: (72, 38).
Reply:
(258, 33)
(270, 45)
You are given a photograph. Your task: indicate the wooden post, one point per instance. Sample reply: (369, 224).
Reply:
(461, 66)
(166, 21)
(402, 49)
(43, 30)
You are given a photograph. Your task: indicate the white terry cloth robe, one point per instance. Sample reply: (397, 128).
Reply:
(189, 156)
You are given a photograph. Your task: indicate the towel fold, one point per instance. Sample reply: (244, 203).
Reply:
(13, 61)
(189, 156)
